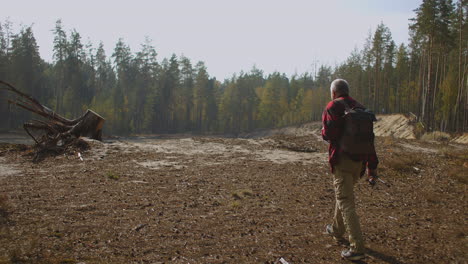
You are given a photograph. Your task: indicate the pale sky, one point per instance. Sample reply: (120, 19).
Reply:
(229, 36)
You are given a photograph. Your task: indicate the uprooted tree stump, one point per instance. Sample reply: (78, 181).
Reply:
(55, 133)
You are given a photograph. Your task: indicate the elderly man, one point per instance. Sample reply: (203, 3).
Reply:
(346, 168)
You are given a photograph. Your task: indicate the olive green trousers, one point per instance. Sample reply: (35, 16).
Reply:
(346, 174)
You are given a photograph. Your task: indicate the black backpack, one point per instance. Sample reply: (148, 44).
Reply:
(358, 133)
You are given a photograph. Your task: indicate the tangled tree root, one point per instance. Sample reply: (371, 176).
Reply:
(54, 134)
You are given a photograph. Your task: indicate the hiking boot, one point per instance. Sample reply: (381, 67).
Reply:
(340, 240)
(351, 255)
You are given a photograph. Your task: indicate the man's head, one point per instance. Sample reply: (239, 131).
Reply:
(339, 87)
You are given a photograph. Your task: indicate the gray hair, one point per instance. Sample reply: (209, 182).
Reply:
(340, 87)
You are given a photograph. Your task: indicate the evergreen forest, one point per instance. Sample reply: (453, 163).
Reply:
(138, 92)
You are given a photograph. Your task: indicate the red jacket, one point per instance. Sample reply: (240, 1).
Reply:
(333, 124)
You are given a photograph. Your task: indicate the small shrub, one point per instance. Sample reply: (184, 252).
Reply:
(419, 130)
(235, 204)
(113, 176)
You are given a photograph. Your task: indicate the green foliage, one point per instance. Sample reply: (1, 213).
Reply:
(112, 175)
(274, 102)
(137, 93)
(419, 129)
(448, 96)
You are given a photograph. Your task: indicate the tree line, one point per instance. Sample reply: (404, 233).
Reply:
(137, 93)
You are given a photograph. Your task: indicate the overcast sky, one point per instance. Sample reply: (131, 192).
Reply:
(229, 36)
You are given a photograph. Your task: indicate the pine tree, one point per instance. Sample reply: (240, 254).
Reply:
(382, 51)
(200, 95)
(431, 29)
(60, 50)
(401, 98)
(26, 68)
(145, 86)
(75, 93)
(123, 60)
(186, 94)
(273, 103)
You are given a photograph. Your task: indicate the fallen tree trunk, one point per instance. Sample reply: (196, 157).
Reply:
(55, 132)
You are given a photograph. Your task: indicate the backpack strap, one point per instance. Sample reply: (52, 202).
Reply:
(342, 101)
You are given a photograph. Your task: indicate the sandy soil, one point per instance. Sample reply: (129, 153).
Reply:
(462, 139)
(396, 125)
(7, 169)
(221, 200)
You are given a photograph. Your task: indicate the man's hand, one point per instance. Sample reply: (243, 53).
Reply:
(372, 176)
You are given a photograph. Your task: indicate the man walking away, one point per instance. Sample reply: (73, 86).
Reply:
(348, 164)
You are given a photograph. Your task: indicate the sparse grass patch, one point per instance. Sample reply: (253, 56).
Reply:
(402, 163)
(56, 234)
(247, 193)
(457, 154)
(112, 175)
(6, 147)
(460, 234)
(429, 196)
(235, 204)
(236, 195)
(460, 174)
(241, 194)
(16, 257)
(436, 136)
(68, 261)
(26, 250)
(387, 142)
(4, 208)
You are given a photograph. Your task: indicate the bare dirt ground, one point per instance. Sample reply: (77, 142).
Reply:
(220, 200)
